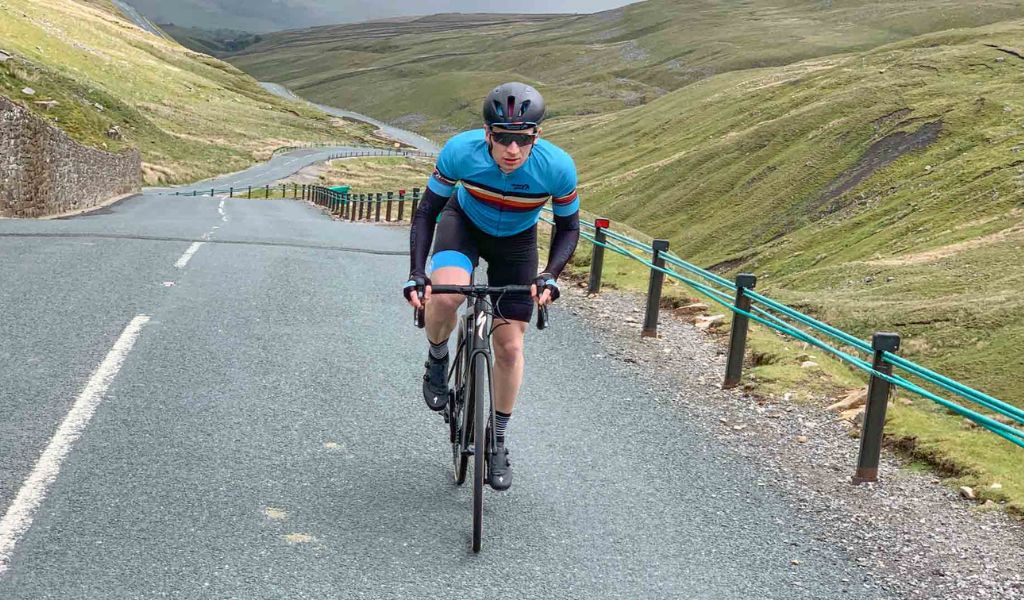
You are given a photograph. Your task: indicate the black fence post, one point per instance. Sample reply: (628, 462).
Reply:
(250, 191)
(415, 201)
(738, 336)
(266, 192)
(295, 190)
(231, 192)
(284, 192)
(654, 289)
(380, 198)
(211, 192)
(362, 203)
(874, 415)
(401, 204)
(193, 193)
(391, 197)
(597, 256)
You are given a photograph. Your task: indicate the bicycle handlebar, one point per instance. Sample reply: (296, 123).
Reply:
(479, 291)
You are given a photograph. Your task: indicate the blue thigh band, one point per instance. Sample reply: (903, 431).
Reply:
(450, 258)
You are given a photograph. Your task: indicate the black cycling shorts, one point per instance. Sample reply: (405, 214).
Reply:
(510, 260)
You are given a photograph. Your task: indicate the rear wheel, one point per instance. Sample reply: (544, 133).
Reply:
(478, 399)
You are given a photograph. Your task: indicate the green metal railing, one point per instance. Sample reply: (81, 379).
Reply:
(887, 369)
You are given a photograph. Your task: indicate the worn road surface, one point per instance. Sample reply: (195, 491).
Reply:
(258, 432)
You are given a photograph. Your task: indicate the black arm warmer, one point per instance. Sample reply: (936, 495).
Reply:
(563, 243)
(421, 235)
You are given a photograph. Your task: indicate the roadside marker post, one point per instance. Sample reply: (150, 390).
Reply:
(597, 255)
(738, 336)
(654, 289)
(874, 412)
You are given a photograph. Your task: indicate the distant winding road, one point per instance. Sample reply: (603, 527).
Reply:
(413, 139)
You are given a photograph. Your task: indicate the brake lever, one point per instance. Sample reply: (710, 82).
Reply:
(542, 317)
(418, 314)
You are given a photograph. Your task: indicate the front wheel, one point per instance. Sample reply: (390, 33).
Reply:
(479, 401)
(462, 415)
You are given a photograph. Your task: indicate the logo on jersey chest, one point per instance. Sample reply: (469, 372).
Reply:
(520, 187)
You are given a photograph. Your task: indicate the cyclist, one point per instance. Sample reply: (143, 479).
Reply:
(506, 175)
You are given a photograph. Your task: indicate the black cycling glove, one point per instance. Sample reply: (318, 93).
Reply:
(546, 281)
(416, 283)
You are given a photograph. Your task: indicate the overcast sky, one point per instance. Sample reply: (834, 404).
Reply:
(263, 15)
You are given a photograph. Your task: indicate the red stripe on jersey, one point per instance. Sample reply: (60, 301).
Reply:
(565, 199)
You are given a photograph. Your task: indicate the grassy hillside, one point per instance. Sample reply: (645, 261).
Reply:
(215, 42)
(191, 115)
(430, 73)
(881, 190)
(888, 183)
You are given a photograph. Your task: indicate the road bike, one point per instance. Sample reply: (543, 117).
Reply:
(471, 391)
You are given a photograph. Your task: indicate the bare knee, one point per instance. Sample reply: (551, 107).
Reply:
(445, 305)
(508, 351)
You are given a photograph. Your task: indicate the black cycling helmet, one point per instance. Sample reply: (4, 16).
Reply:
(514, 105)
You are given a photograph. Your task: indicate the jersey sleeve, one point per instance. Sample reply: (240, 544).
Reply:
(446, 174)
(564, 198)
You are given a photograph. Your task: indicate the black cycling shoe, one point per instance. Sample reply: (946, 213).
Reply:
(435, 383)
(499, 471)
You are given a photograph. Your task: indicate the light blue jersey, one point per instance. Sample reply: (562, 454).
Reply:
(505, 204)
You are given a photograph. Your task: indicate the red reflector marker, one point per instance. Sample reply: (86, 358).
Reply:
(602, 223)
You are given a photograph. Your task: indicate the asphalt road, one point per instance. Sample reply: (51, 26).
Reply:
(265, 436)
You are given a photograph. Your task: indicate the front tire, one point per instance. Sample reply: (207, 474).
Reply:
(462, 419)
(479, 397)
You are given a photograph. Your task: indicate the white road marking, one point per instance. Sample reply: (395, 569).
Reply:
(223, 215)
(22, 510)
(188, 253)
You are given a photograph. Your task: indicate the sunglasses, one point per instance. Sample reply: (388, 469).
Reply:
(505, 138)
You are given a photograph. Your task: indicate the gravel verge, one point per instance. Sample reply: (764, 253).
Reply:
(916, 538)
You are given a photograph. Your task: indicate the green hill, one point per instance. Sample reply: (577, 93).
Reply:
(430, 73)
(115, 85)
(887, 186)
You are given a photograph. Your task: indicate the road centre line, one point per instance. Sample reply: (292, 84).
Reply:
(188, 254)
(20, 513)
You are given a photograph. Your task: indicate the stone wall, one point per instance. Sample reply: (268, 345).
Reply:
(44, 172)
